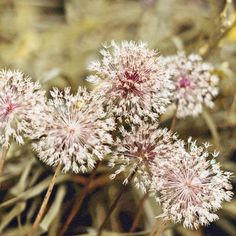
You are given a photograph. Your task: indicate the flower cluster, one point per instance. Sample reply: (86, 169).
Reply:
(21, 103)
(194, 82)
(191, 186)
(138, 86)
(120, 117)
(133, 81)
(74, 131)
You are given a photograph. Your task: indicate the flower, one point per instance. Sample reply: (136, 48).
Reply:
(21, 102)
(191, 186)
(194, 81)
(138, 149)
(74, 131)
(133, 81)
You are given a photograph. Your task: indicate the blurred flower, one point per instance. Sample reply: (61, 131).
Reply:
(74, 131)
(191, 187)
(138, 149)
(21, 102)
(194, 82)
(133, 81)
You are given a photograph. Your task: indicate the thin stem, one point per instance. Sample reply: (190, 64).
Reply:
(157, 229)
(174, 119)
(3, 157)
(220, 33)
(138, 213)
(45, 202)
(79, 201)
(114, 204)
(173, 122)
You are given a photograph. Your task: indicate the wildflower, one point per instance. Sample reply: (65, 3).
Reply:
(191, 187)
(132, 80)
(138, 149)
(21, 102)
(74, 132)
(194, 81)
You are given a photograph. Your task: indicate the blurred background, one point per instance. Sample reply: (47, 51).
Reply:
(53, 41)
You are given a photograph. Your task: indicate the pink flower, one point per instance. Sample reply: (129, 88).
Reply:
(194, 82)
(21, 103)
(191, 186)
(139, 148)
(133, 81)
(74, 131)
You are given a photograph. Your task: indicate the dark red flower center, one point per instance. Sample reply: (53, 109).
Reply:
(132, 76)
(10, 107)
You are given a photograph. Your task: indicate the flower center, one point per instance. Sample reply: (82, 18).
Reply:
(70, 129)
(132, 76)
(9, 108)
(184, 82)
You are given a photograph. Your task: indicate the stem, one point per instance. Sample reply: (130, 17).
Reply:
(114, 204)
(173, 123)
(138, 213)
(45, 202)
(79, 201)
(174, 119)
(157, 231)
(3, 157)
(220, 34)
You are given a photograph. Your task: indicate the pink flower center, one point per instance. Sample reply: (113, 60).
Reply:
(128, 84)
(132, 76)
(10, 108)
(7, 108)
(184, 82)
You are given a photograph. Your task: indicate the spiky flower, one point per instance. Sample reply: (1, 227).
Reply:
(133, 81)
(21, 102)
(191, 187)
(74, 132)
(138, 149)
(194, 81)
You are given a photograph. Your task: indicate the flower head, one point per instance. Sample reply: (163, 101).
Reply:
(74, 132)
(133, 81)
(195, 85)
(21, 102)
(191, 187)
(139, 148)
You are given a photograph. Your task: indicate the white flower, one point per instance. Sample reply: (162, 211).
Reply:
(191, 187)
(138, 149)
(133, 81)
(21, 103)
(74, 131)
(194, 81)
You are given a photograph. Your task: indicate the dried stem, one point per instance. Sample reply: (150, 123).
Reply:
(173, 122)
(221, 33)
(174, 119)
(138, 213)
(3, 157)
(114, 204)
(45, 202)
(79, 201)
(157, 229)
